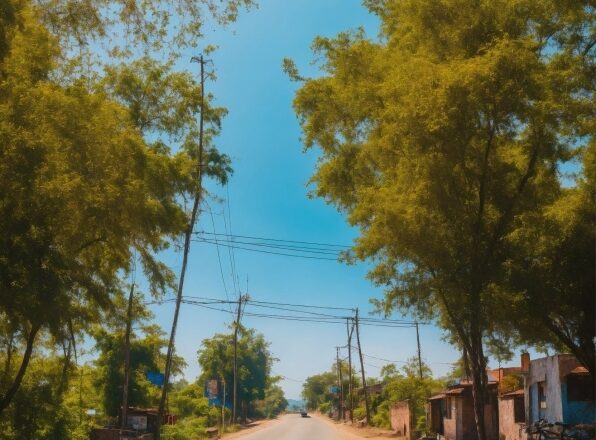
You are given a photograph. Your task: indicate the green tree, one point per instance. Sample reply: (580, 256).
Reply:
(254, 365)
(408, 386)
(80, 190)
(553, 270)
(145, 356)
(275, 401)
(436, 140)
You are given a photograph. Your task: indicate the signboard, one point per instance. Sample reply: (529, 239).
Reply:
(90, 412)
(333, 389)
(212, 389)
(213, 392)
(155, 378)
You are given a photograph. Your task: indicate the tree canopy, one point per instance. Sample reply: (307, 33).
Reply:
(216, 358)
(438, 138)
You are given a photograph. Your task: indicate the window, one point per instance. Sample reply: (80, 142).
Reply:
(580, 388)
(519, 411)
(542, 395)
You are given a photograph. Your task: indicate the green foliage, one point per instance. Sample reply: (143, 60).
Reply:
(441, 138)
(407, 385)
(560, 278)
(316, 388)
(216, 359)
(145, 356)
(324, 407)
(510, 383)
(275, 402)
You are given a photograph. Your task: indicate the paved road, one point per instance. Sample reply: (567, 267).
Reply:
(294, 427)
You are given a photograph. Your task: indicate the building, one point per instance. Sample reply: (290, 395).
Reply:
(512, 409)
(451, 413)
(557, 388)
(512, 416)
(402, 419)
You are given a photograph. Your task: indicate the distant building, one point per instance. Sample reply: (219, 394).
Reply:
(451, 413)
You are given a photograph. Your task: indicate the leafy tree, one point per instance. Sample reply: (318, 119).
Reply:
(316, 389)
(436, 140)
(80, 190)
(275, 401)
(555, 280)
(145, 356)
(408, 386)
(216, 359)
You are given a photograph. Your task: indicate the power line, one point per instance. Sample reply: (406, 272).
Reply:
(284, 241)
(223, 280)
(312, 257)
(305, 249)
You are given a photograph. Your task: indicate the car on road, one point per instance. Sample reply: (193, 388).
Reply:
(303, 413)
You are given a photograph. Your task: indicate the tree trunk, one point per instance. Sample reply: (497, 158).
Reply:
(478, 368)
(8, 396)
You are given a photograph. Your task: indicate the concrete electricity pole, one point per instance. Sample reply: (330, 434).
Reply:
(351, 379)
(362, 371)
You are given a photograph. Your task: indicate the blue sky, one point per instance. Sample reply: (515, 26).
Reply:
(268, 198)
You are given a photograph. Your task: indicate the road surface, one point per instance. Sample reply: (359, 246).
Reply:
(294, 427)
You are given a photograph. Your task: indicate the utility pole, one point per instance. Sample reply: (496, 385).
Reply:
(340, 406)
(236, 327)
(419, 355)
(223, 407)
(350, 381)
(362, 371)
(124, 420)
(187, 238)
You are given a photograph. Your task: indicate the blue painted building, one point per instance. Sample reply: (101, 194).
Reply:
(558, 389)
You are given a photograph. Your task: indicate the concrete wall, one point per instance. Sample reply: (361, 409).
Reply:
(401, 419)
(544, 370)
(508, 429)
(450, 430)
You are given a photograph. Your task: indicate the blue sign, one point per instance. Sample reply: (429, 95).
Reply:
(155, 378)
(333, 389)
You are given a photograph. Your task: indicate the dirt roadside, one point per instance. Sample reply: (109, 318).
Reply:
(250, 428)
(353, 433)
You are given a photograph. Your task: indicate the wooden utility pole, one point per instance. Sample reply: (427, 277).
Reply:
(235, 391)
(362, 371)
(223, 407)
(350, 381)
(124, 420)
(419, 355)
(187, 238)
(340, 406)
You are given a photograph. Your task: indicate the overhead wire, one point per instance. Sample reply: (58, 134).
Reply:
(310, 257)
(223, 280)
(284, 241)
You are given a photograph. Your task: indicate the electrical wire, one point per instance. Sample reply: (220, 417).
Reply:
(311, 257)
(283, 241)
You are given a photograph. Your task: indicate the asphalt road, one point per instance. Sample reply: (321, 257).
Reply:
(294, 427)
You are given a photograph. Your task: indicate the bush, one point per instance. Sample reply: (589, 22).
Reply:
(359, 413)
(382, 418)
(190, 428)
(325, 407)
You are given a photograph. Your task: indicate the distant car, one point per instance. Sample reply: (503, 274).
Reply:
(303, 413)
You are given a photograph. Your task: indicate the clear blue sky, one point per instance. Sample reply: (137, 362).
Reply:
(268, 197)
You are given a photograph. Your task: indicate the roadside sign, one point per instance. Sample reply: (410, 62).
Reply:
(155, 378)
